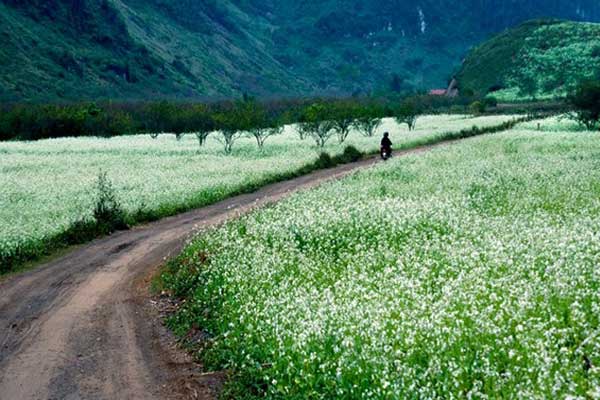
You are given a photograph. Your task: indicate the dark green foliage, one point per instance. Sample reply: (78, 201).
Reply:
(324, 161)
(263, 121)
(586, 101)
(167, 49)
(350, 154)
(477, 107)
(28, 122)
(232, 120)
(407, 113)
(319, 119)
(368, 118)
(490, 102)
(108, 212)
(541, 58)
(317, 122)
(343, 114)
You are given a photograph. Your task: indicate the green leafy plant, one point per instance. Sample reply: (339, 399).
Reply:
(407, 113)
(108, 211)
(317, 123)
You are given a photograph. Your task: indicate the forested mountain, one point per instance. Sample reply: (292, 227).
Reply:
(147, 49)
(538, 59)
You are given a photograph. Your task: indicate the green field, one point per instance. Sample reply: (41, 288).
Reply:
(49, 185)
(467, 272)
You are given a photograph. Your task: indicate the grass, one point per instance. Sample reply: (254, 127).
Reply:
(49, 185)
(468, 272)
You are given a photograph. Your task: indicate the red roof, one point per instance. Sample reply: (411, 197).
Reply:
(437, 92)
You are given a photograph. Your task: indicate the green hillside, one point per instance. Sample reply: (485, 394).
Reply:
(538, 59)
(79, 49)
(73, 50)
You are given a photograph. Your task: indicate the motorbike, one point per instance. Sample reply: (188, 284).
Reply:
(386, 153)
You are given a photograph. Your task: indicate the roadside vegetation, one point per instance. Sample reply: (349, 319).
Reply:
(468, 272)
(50, 187)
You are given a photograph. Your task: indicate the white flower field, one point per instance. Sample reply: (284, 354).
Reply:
(48, 185)
(468, 272)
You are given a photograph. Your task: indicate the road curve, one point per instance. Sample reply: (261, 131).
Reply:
(84, 326)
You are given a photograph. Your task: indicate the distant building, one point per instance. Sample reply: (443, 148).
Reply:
(452, 90)
(437, 92)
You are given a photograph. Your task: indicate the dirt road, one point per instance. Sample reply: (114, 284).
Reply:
(84, 326)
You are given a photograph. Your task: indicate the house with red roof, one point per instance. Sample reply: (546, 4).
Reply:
(437, 92)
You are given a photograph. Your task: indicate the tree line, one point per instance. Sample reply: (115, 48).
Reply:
(317, 119)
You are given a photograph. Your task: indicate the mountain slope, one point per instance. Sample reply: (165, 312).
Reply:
(130, 49)
(542, 58)
(135, 49)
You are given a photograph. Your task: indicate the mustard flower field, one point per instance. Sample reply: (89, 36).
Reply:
(470, 272)
(46, 186)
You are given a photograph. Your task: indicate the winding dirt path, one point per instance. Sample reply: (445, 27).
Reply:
(85, 327)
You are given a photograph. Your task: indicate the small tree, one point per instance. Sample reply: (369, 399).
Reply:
(586, 102)
(343, 114)
(157, 117)
(232, 120)
(369, 119)
(262, 133)
(178, 121)
(316, 122)
(201, 122)
(262, 122)
(407, 114)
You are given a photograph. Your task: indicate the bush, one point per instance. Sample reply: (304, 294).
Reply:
(350, 154)
(324, 161)
(477, 108)
(108, 212)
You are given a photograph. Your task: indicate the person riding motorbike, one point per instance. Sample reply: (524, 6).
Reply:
(386, 146)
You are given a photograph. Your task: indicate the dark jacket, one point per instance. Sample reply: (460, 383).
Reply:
(386, 143)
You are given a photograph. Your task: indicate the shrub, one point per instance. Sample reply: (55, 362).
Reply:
(324, 161)
(350, 154)
(108, 212)
(477, 108)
